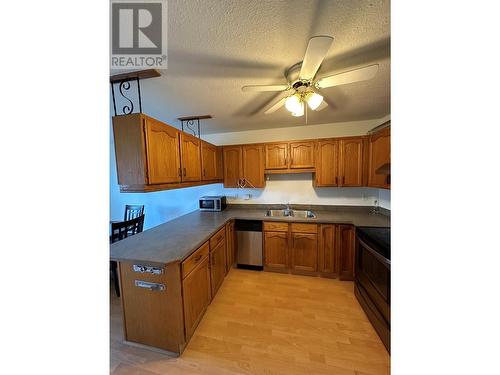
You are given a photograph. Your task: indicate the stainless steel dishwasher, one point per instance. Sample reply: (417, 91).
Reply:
(249, 237)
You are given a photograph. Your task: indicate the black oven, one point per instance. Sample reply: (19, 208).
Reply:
(373, 278)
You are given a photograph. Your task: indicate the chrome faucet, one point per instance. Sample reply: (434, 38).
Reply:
(287, 207)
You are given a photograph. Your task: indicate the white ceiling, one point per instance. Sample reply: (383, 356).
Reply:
(217, 46)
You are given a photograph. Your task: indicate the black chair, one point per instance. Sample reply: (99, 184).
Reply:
(132, 211)
(119, 231)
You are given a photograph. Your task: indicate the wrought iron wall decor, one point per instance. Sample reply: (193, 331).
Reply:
(123, 81)
(123, 86)
(192, 123)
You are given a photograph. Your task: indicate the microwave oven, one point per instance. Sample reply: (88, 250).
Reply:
(213, 203)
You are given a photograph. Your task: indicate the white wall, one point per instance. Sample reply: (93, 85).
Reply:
(340, 129)
(166, 205)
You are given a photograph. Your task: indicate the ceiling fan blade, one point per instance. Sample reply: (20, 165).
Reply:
(277, 102)
(264, 88)
(356, 75)
(317, 48)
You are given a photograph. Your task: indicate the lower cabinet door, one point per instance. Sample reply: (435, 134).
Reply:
(304, 252)
(276, 251)
(196, 292)
(229, 245)
(327, 262)
(346, 238)
(217, 266)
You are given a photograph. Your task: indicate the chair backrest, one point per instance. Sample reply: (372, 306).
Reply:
(132, 211)
(124, 229)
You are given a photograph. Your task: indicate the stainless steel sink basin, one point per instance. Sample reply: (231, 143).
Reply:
(303, 214)
(278, 213)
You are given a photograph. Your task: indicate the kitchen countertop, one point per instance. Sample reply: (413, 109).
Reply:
(175, 240)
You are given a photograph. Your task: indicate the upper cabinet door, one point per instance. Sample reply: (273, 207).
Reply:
(277, 156)
(327, 163)
(253, 165)
(219, 163)
(190, 157)
(379, 154)
(162, 148)
(232, 166)
(351, 162)
(301, 154)
(208, 161)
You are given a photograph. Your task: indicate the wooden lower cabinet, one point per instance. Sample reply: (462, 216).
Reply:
(197, 295)
(276, 251)
(304, 252)
(327, 264)
(345, 245)
(152, 304)
(230, 246)
(217, 266)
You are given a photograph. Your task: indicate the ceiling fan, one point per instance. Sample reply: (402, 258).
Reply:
(303, 86)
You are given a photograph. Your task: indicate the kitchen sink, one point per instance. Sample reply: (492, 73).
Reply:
(278, 213)
(302, 214)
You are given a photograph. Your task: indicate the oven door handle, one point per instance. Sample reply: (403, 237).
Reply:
(385, 261)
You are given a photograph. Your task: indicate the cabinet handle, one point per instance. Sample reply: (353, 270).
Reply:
(343, 180)
(150, 286)
(147, 269)
(180, 172)
(197, 258)
(204, 174)
(336, 180)
(213, 261)
(184, 172)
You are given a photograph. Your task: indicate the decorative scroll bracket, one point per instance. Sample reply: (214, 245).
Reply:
(190, 121)
(123, 81)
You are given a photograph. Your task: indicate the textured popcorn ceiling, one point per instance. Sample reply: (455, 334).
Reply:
(217, 46)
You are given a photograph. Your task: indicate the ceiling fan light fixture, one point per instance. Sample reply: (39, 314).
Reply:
(313, 100)
(293, 104)
(300, 110)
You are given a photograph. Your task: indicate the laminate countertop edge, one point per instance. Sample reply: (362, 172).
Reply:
(175, 240)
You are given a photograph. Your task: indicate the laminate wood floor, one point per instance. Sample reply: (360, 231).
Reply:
(267, 323)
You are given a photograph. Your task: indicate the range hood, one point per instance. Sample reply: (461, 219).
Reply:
(384, 169)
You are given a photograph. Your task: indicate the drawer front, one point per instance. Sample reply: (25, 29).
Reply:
(194, 259)
(217, 238)
(275, 226)
(153, 274)
(304, 228)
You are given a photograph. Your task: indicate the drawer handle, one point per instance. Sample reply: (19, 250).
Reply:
(146, 269)
(197, 258)
(151, 286)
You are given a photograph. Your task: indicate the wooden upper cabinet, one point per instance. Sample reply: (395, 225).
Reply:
(162, 148)
(219, 163)
(379, 154)
(301, 154)
(190, 157)
(196, 293)
(345, 245)
(351, 162)
(276, 251)
(232, 166)
(253, 165)
(326, 249)
(327, 163)
(208, 161)
(276, 156)
(304, 252)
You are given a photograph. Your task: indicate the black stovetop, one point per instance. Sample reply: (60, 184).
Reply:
(378, 238)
